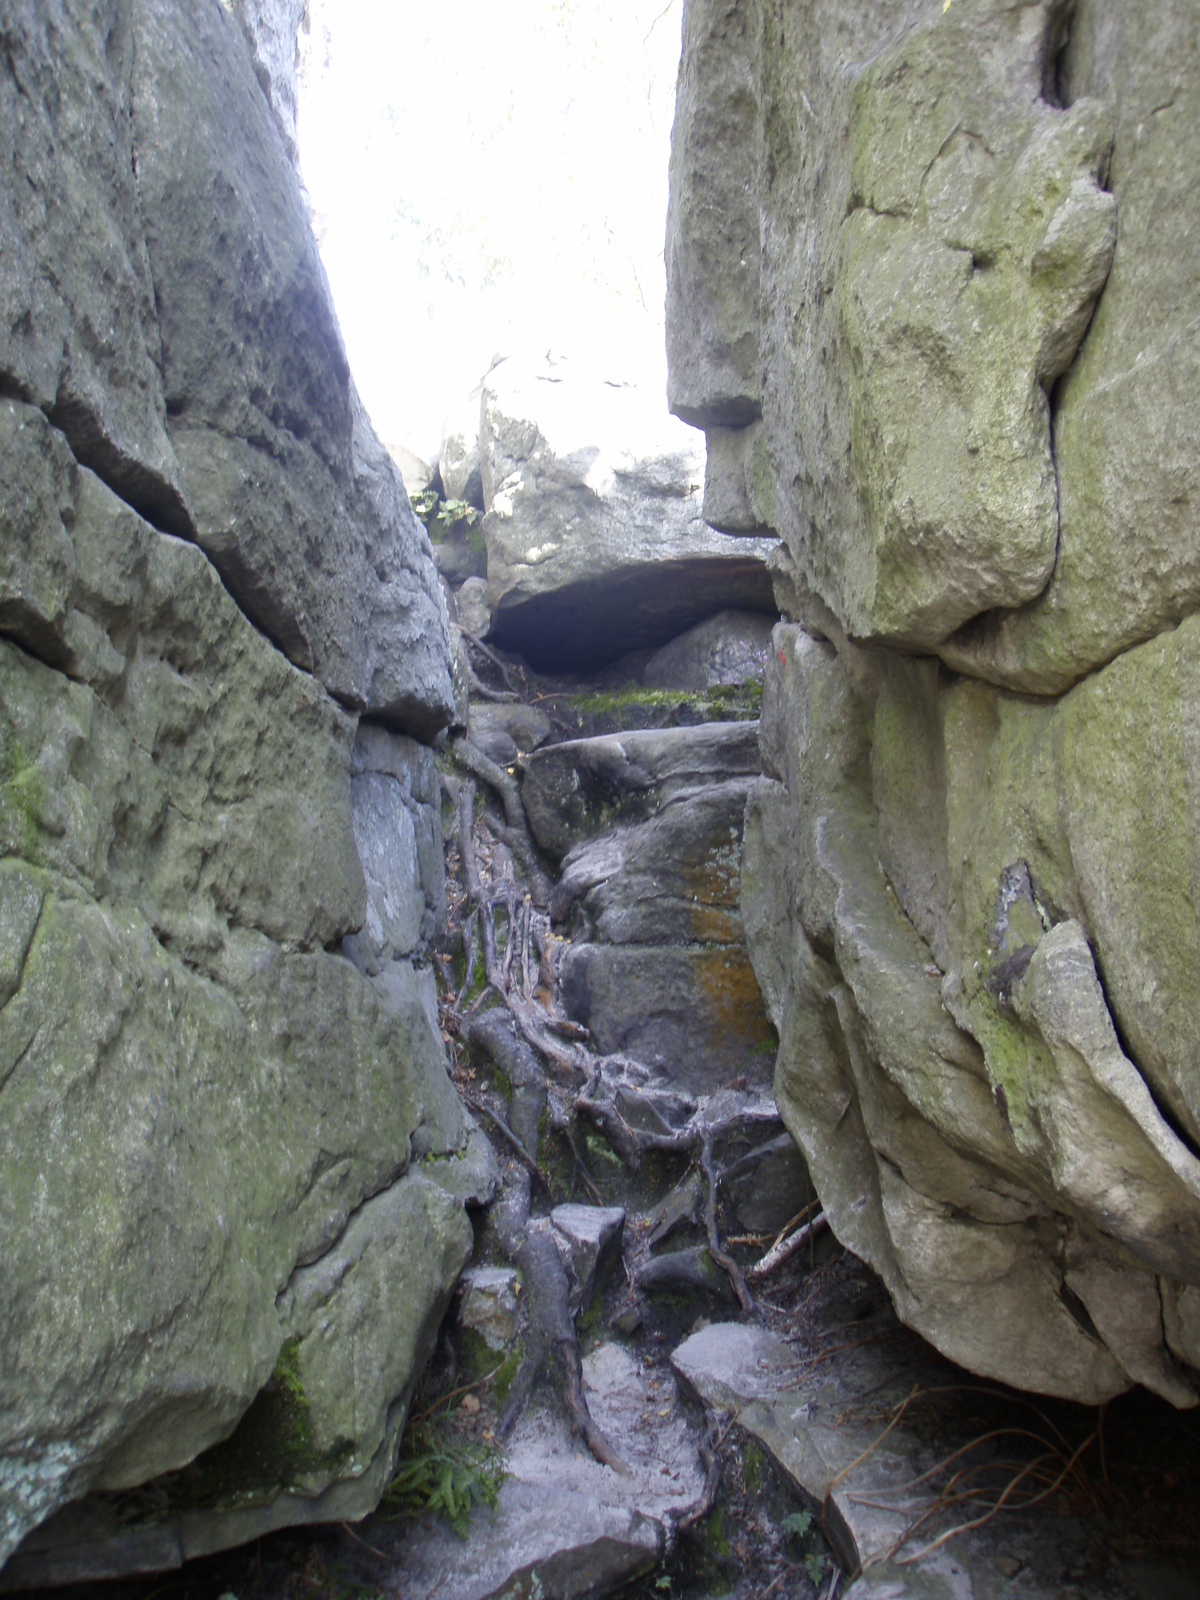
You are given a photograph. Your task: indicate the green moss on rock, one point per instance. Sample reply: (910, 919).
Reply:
(22, 798)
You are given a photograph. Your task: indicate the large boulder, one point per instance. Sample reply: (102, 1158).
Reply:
(195, 1097)
(299, 506)
(222, 1270)
(166, 308)
(929, 909)
(946, 251)
(596, 541)
(970, 911)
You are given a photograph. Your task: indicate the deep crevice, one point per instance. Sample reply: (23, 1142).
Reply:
(155, 500)
(1055, 66)
(12, 389)
(1078, 1311)
(1161, 1105)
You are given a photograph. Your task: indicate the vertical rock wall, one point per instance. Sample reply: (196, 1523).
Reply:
(969, 879)
(209, 572)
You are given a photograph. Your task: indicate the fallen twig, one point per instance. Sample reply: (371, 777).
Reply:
(476, 643)
(527, 1161)
(780, 1252)
(346, 1528)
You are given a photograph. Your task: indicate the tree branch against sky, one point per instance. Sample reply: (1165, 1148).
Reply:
(487, 178)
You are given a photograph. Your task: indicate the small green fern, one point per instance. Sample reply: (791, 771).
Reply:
(441, 1475)
(797, 1526)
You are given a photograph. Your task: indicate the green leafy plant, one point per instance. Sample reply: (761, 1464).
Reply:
(444, 1471)
(445, 518)
(798, 1526)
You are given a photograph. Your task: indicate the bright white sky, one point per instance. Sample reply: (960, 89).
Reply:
(488, 177)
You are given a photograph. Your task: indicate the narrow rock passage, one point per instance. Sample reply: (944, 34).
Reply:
(689, 1387)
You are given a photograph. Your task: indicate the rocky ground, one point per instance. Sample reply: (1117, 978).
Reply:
(622, 1400)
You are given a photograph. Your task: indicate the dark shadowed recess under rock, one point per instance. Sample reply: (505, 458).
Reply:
(587, 625)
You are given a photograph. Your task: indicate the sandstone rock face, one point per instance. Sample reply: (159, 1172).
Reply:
(271, 27)
(166, 308)
(596, 542)
(293, 497)
(971, 911)
(1126, 438)
(948, 1060)
(208, 567)
(649, 826)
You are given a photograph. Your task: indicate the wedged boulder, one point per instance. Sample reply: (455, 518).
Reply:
(573, 790)
(949, 1063)
(730, 647)
(595, 538)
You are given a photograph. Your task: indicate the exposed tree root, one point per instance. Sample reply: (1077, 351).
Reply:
(519, 840)
(554, 1078)
(719, 1255)
(717, 1425)
(513, 691)
(528, 1244)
